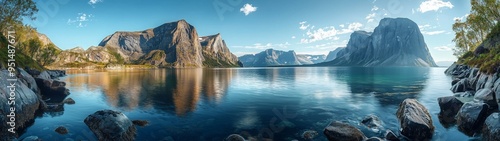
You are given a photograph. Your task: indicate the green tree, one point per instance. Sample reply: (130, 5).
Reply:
(13, 11)
(470, 33)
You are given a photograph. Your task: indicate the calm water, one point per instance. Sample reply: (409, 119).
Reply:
(277, 103)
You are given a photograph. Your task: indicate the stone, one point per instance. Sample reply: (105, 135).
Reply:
(449, 106)
(390, 136)
(140, 122)
(481, 82)
(487, 96)
(234, 137)
(461, 86)
(29, 80)
(69, 101)
(111, 125)
(309, 134)
(53, 89)
(338, 131)
(471, 117)
(26, 104)
(44, 75)
(56, 73)
(491, 128)
(454, 81)
(373, 122)
(415, 120)
(62, 130)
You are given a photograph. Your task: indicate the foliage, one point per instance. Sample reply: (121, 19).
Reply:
(470, 33)
(118, 57)
(487, 62)
(21, 60)
(13, 11)
(212, 63)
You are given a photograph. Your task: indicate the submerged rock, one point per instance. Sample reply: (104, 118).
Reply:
(61, 130)
(234, 137)
(471, 117)
(390, 136)
(449, 106)
(373, 122)
(491, 128)
(111, 125)
(338, 131)
(415, 120)
(309, 134)
(69, 101)
(53, 89)
(140, 122)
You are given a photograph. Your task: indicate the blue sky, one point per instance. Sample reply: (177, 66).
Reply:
(250, 26)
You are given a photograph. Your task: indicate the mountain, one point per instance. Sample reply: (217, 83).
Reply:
(307, 59)
(217, 53)
(174, 44)
(394, 42)
(270, 57)
(333, 54)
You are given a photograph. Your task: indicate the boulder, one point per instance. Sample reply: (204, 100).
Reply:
(415, 120)
(449, 106)
(454, 81)
(309, 134)
(461, 86)
(471, 117)
(61, 130)
(111, 125)
(373, 122)
(44, 75)
(481, 81)
(491, 81)
(450, 69)
(53, 89)
(26, 103)
(491, 128)
(496, 89)
(28, 80)
(338, 131)
(390, 136)
(486, 95)
(234, 137)
(56, 73)
(69, 101)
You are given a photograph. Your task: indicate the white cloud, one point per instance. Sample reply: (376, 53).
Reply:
(342, 26)
(329, 33)
(433, 32)
(92, 2)
(303, 25)
(443, 48)
(293, 37)
(80, 20)
(248, 8)
(375, 8)
(265, 46)
(370, 17)
(461, 18)
(433, 5)
(422, 27)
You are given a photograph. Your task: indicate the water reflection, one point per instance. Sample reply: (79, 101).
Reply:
(171, 90)
(389, 85)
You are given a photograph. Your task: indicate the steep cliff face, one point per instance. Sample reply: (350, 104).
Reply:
(395, 42)
(216, 52)
(306, 59)
(270, 57)
(179, 40)
(333, 54)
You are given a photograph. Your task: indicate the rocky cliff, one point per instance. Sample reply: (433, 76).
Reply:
(217, 53)
(333, 54)
(270, 57)
(394, 42)
(307, 59)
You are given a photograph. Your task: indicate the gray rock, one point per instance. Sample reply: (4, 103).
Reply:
(481, 82)
(53, 89)
(338, 131)
(111, 125)
(29, 81)
(454, 81)
(62, 130)
(373, 122)
(491, 81)
(309, 134)
(69, 101)
(471, 117)
(449, 106)
(215, 48)
(390, 136)
(26, 103)
(44, 75)
(415, 120)
(451, 68)
(56, 73)
(486, 95)
(333, 54)
(461, 86)
(234, 137)
(491, 128)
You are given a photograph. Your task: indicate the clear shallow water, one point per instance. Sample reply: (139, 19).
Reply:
(276, 103)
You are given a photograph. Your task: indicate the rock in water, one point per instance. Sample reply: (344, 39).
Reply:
(140, 122)
(234, 137)
(471, 117)
(309, 134)
(69, 101)
(390, 136)
(26, 103)
(111, 125)
(491, 128)
(53, 89)
(486, 96)
(415, 120)
(338, 131)
(449, 106)
(394, 42)
(373, 122)
(61, 130)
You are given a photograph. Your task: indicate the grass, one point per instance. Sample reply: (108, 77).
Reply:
(21, 60)
(487, 62)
